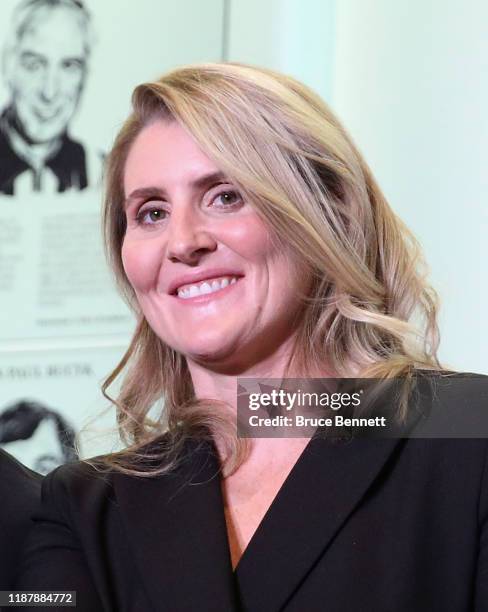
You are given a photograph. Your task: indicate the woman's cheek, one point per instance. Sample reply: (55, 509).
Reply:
(250, 238)
(141, 265)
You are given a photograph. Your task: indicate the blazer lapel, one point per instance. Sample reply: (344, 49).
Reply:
(176, 527)
(323, 489)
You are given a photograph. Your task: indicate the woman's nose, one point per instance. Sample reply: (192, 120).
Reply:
(189, 237)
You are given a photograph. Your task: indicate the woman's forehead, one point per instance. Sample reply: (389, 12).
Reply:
(164, 154)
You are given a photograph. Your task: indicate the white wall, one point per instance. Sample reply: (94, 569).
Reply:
(411, 84)
(292, 36)
(409, 79)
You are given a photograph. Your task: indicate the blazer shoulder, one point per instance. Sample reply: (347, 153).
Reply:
(80, 482)
(19, 486)
(451, 386)
(76, 485)
(86, 474)
(452, 405)
(442, 375)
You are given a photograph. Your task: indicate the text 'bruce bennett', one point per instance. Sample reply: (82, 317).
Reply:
(302, 421)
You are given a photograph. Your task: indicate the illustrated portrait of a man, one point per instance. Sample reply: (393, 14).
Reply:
(25, 418)
(45, 63)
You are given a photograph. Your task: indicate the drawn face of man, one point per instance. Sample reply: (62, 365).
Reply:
(39, 449)
(47, 73)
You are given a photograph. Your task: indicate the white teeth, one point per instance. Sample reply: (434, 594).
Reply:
(205, 287)
(216, 285)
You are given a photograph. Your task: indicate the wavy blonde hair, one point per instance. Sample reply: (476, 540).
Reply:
(370, 311)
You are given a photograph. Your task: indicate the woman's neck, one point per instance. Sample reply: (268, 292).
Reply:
(218, 380)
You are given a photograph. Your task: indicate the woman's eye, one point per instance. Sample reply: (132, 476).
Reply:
(227, 198)
(150, 216)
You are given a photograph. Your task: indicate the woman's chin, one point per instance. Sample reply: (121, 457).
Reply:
(211, 350)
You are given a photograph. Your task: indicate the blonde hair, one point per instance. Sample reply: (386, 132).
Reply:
(370, 312)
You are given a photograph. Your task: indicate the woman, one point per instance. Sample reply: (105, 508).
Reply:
(243, 175)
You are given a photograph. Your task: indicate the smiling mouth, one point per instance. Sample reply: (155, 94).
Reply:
(206, 288)
(46, 115)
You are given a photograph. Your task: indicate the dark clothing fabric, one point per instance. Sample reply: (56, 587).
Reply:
(68, 164)
(19, 494)
(392, 525)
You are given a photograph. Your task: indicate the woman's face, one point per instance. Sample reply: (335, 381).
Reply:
(201, 261)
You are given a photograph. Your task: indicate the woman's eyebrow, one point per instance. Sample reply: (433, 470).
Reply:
(144, 192)
(199, 183)
(208, 179)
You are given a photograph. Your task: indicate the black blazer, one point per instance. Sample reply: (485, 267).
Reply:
(19, 495)
(392, 525)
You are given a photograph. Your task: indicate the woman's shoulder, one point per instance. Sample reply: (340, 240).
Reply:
(100, 474)
(79, 493)
(451, 386)
(85, 493)
(78, 480)
(451, 404)
(453, 375)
